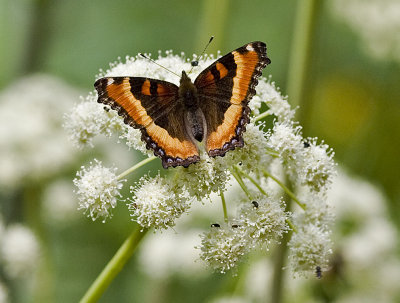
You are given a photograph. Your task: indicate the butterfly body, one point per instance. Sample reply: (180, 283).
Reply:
(174, 119)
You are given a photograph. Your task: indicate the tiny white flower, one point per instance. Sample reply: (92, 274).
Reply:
(89, 119)
(263, 220)
(98, 190)
(133, 140)
(285, 139)
(277, 104)
(315, 166)
(155, 203)
(253, 156)
(19, 251)
(223, 246)
(202, 178)
(309, 247)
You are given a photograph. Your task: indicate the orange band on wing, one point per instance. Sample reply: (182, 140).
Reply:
(122, 95)
(146, 88)
(172, 146)
(226, 131)
(246, 64)
(222, 70)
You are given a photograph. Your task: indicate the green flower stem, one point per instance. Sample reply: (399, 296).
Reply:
(285, 188)
(279, 261)
(262, 116)
(239, 180)
(272, 153)
(138, 165)
(114, 266)
(221, 194)
(239, 170)
(291, 225)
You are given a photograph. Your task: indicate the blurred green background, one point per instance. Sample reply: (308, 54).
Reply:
(352, 101)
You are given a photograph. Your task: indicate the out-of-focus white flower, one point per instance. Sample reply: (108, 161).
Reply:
(3, 293)
(376, 21)
(156, 204)
(32, 142)
(58, 203)
(168, 253)
(356, 198)
(19, 251)
(376, 239)
(98, 190)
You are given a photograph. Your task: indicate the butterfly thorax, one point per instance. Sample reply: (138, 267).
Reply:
(188, 91)
(194, 118)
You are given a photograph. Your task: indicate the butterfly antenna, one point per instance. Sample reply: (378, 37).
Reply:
(196, 62)
(148, 58)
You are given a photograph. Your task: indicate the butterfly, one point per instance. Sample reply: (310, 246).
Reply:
(175, 121)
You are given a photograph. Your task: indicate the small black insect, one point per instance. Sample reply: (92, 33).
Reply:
(215, 225)
(318, 272)
(255, 204)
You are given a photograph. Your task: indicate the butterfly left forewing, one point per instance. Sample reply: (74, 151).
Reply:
(151, 106)
(225, 88)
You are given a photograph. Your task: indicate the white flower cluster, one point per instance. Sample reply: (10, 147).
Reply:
(98, 189)
(33, 144)
(156, 204)
(376, 21)
(261, 218)
(308, 163)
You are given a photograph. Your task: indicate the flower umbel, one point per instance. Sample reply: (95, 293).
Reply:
(158, 202)
(98, 190)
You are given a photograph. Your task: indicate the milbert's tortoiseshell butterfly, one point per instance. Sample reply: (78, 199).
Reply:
(175, 119)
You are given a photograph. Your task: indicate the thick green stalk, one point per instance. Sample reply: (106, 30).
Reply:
(113, 267)
(300, 58)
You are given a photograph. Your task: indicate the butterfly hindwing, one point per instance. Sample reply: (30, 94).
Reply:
(224, 90)
(151, 106)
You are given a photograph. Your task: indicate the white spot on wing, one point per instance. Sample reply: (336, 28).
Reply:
(110, 81)
(249, 48)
